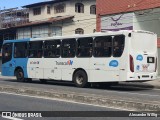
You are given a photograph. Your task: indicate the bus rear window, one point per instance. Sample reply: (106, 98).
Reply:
(141, 42)
(6, 52)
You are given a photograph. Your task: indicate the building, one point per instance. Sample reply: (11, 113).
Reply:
(114, 15)
(48, 18)
(59, 17)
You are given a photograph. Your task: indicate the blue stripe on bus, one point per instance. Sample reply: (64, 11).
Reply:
(19, 40)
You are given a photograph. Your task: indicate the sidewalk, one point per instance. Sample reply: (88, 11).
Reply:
(148, 84)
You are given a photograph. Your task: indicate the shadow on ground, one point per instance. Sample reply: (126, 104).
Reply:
(119, 87)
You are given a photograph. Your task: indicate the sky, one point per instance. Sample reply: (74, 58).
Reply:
(16, 3)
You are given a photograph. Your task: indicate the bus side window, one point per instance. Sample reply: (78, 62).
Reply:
(52, 49)
(85, 47)
(68, 48)
(20, 50)
(118, 45)
(35, 49)
(6, 52)
(103, 46)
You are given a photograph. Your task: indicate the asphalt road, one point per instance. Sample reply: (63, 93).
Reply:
(10, 102)
(120, 91)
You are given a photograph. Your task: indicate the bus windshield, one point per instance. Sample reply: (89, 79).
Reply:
(143, 42)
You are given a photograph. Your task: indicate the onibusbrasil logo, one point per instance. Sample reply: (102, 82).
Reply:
(69, 62)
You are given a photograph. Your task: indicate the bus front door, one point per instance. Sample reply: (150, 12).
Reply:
(7, 60)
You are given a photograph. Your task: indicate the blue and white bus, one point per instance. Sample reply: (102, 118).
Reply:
(92, 58)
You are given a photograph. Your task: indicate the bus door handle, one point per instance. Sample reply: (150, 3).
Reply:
(37, 67)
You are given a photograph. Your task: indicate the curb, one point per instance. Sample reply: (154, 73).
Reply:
(84, 98)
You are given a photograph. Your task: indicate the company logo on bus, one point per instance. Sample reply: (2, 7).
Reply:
(69, 62)
(34, 62)
(140, 57)
(145, 67)
(138, 67)
(113, 63)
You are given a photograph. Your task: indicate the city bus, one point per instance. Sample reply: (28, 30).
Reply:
(108, 57)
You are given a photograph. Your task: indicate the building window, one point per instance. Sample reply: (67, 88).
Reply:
(79, 31)
(23, 33)
(79, 8)
(56, 31)
(93, 9)
(48, 9)
(40, 31)
(59, 8)
(37, 11)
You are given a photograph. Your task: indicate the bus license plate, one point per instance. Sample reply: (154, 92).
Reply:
(150, 60)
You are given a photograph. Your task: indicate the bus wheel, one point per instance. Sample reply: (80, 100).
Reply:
(80, 79)
(20, 75)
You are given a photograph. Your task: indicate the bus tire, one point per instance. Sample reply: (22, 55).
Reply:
(20, 75)
(80, 79)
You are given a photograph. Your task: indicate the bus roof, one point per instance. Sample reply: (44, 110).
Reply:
(80, 35)
(18, 40)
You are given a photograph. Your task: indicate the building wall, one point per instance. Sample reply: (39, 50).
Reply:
(140, 20)
(42, 16)
(147, 20)
(108, 7)
(84, 20)
(120, 6)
